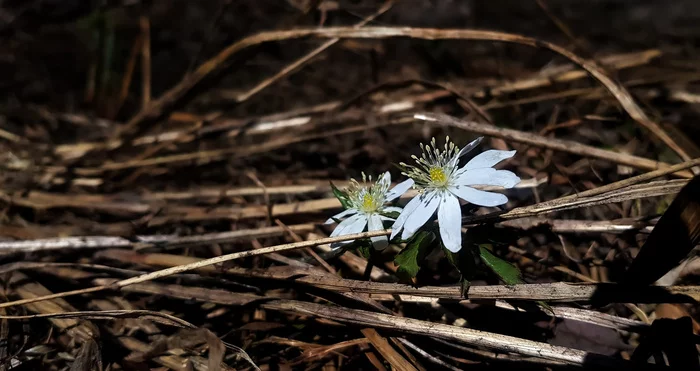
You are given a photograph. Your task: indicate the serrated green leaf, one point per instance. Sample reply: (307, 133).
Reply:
(411, 257)
(341, 196)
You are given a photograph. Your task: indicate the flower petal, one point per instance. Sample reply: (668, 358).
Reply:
(341, 215)
(357, 224)
(392, 209)
(478, 197)
(488, 159)
(375, 224)
(405, 213)
(420, 215)
(450, 220)
(345, 224)
(466, 150)
(385, 179)
(488, 176)
(400, 189)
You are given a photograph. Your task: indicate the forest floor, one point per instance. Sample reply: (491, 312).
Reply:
(166, 170)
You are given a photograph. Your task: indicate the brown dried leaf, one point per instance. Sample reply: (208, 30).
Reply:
(187, 339)
(570, 250)
(261, 326)
(675, 235)
(88, 358)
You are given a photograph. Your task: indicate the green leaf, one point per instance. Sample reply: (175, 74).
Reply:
(507, 272)
(341, 196)
(463, 260)
(365, 250)
(391, 214)
(411, 257)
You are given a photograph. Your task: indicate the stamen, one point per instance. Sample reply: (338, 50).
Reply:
(367, 202)
(369, 196)
(435, 166)
(438, 176)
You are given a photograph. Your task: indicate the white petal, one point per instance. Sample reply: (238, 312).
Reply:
(478, 197)
(385, 179)
(450, 220)
(375, 224)
(418, 217)
(341, 215)
(345, 224)
(488, 159)
(356, 226)
(405, 213)
(488, 176)
(466, 149)
(400, 189)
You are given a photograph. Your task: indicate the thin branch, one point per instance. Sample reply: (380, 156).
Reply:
(306, 58)
(633, 192)
(94, 242)
(550, 292)
(149, 202)
(225, 297)
(555, 292)
(579, 226)
(145, 25)
(477, 338)
(560, 312)
(615, 191)
(200, 264)
(651, 189)
(565, 203)
(300, 117)
(427, 355)
(167, 100)
(26, 288)
(549, 143)
(158, 317)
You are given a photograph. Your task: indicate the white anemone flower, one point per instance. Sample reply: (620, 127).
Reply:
(441, 183)
(366, 206)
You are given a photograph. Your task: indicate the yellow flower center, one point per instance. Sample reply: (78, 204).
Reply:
(438, 176)
(368, 202)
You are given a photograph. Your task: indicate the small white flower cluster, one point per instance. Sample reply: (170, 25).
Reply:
(367, 203)
(440, 183)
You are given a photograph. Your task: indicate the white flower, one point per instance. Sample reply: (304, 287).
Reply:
(441, 182)
(367, 204)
